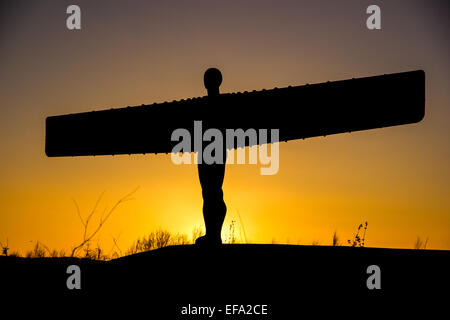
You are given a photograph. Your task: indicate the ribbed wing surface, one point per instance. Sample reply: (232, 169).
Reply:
(298, 112)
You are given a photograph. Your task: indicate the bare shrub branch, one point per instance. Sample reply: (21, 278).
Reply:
(88, 237)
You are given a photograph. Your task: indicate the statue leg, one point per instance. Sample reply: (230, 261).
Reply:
(214, 208)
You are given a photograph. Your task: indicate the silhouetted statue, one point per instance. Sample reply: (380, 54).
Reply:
(298, 112)
(211, 177)
(214, 208)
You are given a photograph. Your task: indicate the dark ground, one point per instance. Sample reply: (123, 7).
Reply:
(288, 278)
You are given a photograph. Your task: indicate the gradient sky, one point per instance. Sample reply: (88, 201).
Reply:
(134, 52)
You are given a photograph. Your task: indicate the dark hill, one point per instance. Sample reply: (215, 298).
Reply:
(285, 277)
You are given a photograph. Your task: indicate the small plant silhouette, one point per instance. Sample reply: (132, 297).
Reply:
(335, 239)
(85, 243)
(39, 250)
(357, 240)
(197, 232)
(420, 245)
(232, 233)
(5, 248)
(160, 239)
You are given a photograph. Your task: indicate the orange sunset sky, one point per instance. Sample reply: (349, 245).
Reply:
(135, 52)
